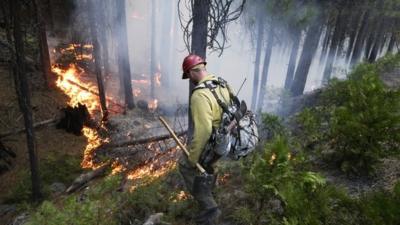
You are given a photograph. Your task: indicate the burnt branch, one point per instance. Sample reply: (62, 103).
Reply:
(220, 14)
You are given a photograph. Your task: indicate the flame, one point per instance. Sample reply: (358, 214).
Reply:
(67, 80)
(93, 142)
(153, 104)
(142, 82)
(157, 79)
(136, 92)
(181, 196)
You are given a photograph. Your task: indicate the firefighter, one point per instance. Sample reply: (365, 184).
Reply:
(206, 114)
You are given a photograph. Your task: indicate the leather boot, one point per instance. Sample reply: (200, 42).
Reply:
(208, 217)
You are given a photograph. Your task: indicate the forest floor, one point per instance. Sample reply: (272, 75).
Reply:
(56, 146)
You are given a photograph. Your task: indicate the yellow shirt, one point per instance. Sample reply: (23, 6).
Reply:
(206, 114)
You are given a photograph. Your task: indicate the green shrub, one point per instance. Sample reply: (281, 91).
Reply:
(272, 126)
(96, 206)
(53, 168)
(357, 118)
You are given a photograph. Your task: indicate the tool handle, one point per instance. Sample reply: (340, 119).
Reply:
(202, 170)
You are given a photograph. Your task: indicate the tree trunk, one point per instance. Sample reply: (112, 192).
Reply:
(379, 38)
(358, 46)
(97, 57)
(292, 61)
(199, 42)
(392, 43)
(123, 55)
(353, 34)
(49, 78)
(307, 55)
(22, 88)
(153, 48)
(256, 81)
(50, 14)
(166, 42)
(103, 36)
(333, 47)
(267, 60)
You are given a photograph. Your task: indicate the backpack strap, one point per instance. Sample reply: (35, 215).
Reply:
(220, 103)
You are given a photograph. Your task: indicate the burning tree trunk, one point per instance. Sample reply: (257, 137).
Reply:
(267, 60)
(292, 61)
(22, 88)
(44, 48)
(307, 55)
(123, 55)
(97, 58)
(153, 48)
(256, 81)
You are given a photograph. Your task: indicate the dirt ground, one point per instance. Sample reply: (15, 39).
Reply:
(45, 105)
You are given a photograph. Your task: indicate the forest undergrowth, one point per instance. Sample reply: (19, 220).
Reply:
(352, 129)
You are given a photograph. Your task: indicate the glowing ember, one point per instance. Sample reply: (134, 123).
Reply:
(136, 92)
(157, 79)
(142, 82)
(153, 104)
(181, 196)
(273, 157)
(150, 172)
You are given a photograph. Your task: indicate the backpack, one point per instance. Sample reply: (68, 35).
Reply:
(237, 135)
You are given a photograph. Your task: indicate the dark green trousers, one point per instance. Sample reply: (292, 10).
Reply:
(203, 195)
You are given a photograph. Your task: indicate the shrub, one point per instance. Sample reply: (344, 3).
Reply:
(357, 118)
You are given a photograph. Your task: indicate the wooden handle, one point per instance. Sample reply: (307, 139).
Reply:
(202, 170)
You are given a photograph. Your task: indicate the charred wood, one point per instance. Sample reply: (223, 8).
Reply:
(6, 156)
(86, 177)
(75, 118)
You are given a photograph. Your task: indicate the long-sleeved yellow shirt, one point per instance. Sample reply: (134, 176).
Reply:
(206, 114)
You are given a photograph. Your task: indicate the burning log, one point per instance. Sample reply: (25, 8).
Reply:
(86, 177)
(95, 93)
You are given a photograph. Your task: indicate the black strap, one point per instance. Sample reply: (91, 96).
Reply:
(220, 103)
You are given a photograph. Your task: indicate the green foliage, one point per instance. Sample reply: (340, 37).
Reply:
(357, 118)
(272, 126)
(92, 208)
(381, 207)
(53, 168)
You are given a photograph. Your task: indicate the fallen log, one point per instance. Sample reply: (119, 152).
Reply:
(35, 125)
(142, 140)
(86, 177)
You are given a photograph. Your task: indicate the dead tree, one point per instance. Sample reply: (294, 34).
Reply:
(49, 78)
(97, 57)
(123, 55)
(22, 88)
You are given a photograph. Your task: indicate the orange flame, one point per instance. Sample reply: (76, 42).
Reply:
(67, 79)
(153, 104)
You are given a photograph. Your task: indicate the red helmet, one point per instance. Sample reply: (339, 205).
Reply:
(189, 62)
